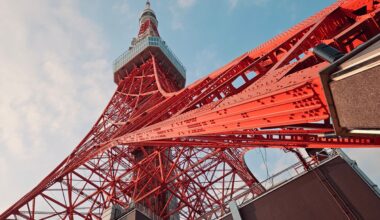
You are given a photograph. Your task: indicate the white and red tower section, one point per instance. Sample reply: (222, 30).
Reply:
(149, 45)
(179, 151)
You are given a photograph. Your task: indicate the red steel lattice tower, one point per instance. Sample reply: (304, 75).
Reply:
(179, 151)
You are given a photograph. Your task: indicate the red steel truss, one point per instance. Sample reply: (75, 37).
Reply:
(180, 151)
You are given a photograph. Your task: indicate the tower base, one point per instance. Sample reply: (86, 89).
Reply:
(134, 215)
(336, 189)
(136, 212)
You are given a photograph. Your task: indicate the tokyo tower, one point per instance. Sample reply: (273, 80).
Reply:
(176, 152)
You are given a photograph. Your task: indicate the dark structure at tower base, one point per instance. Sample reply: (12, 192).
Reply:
(135, 212)
(336, 189)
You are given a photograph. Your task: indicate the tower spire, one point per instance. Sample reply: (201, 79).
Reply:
(148, 22)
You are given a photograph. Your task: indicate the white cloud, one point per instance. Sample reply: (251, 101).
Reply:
(123, 7)
(186, 3)
(177, 11)
(176, 23)
(126, 9)
(54, 79)
(232, 4)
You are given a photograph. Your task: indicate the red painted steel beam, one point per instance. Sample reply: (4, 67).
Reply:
(197, 136)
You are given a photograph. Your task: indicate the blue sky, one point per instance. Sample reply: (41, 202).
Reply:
(56, 69)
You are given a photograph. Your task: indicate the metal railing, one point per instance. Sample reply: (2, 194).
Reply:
(279, 179)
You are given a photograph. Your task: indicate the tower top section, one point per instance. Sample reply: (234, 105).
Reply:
(148, 13)
(147, 43)
(148, 22)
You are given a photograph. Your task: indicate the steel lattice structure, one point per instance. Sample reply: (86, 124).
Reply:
(179, 151)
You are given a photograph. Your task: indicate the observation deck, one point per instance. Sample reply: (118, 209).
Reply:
(143, 50)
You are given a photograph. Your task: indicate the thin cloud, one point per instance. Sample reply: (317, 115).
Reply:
(176, 23)
(54, 81)
(233, 4)
(186, 3)
(126, 9)
(177, 12)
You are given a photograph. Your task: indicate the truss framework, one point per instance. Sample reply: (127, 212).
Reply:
(197, 137)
